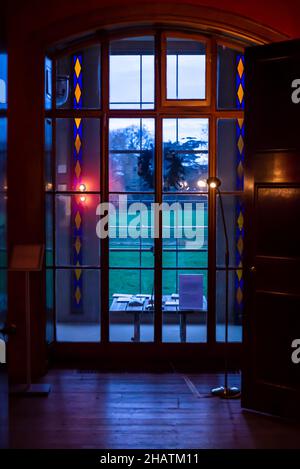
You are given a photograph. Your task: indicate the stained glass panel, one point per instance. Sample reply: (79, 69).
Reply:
(231, 78)
(78, 80)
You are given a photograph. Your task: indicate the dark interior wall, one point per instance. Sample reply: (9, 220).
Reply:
(277, 14)
(30, 24)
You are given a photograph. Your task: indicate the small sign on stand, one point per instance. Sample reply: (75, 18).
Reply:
(28, 258)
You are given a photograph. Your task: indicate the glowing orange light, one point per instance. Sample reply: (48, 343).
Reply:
(82, 187)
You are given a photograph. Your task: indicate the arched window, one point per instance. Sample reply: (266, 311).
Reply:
(140, 121)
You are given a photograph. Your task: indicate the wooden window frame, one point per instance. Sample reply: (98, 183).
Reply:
(165, 101)
(162, 109)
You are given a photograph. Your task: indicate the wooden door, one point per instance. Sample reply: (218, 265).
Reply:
(271, 380)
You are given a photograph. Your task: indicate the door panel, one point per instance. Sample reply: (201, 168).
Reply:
(277, 207)
(271, 381)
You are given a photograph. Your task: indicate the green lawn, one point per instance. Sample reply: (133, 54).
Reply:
(136, 257)
(133, 280)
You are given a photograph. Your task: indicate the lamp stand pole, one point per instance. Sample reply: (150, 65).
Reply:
(226, 392)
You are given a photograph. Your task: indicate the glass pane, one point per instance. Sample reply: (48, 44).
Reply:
(3, 81)
(185, 153)
(76, 238)
(131, 155)
(234, 216)
(78, 305)
(49, 306)
(77, 154)
(185, 231)
(3, 230)
(231, 79)
(131, 226)
(48, 155)
(130, 300)
(185, 69)
(78, 80)
(231, 154)
(3, 202)
(3, 192)
(131, 73)
(235, 295)
(3, 153)
(49, 229)
(3, 296)
(184, 305)
(48, 83)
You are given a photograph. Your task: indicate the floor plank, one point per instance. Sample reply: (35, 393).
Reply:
(131, 410)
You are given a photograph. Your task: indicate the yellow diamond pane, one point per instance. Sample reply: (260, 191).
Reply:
(77, 245)
(240, 245)
(240, 93)
(239, 295)
(77, 169)
(240, 221)
(77, 143)
(78, 220)
(77, 122)
(240, 144)
(240, 170)
(78, 273)
(240, 122)
(239, 274)
(77, 68)
(77, 93)
(77, 295)
(240, 68)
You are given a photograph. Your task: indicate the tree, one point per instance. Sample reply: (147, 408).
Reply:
(145, 167)
(174, 172)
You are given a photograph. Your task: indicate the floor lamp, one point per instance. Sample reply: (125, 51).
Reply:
(226, 392)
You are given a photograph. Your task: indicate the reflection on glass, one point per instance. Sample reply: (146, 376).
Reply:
(185, 69)
(131, 73)
(235, 305)
(131, 155)
(184, 305)
(234, 215)
(78, 309)
(76, 238)
(231, 79)
(3, 81)
(78, 80)
(130, 300)
(77, 154)
(185, 154)
(48, 83)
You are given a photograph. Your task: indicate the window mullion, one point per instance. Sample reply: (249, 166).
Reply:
(104, 189)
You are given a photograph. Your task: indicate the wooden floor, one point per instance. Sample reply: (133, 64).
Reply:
(131, 410)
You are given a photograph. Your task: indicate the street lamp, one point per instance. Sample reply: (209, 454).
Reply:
(226, 392)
